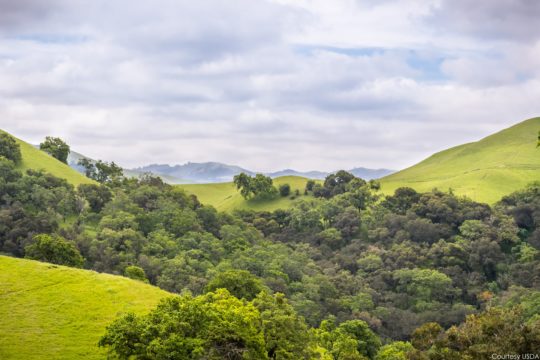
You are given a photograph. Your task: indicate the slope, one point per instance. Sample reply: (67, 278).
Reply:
(225, 196)
(484, 170)
(56, 312)
(36, 159)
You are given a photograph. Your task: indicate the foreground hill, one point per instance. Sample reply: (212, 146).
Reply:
(225, 196)
(484, 170)
(56, 312)
(36, 159)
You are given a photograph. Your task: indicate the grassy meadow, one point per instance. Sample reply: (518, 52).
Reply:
(225, 196)
(55, 312)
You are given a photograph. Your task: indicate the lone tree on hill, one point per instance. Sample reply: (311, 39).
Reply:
(56, 147)
(101, 171)
(260, 186)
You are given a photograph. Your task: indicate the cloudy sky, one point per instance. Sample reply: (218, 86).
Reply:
(308, 84)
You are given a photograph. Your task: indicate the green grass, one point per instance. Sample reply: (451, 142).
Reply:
(225, 196)
(484, 171)
(36, 159)
(56, 312)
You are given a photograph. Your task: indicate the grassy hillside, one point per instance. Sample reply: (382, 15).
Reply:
(36, 159)
(484, 170)
(225, 197)
(56, 312)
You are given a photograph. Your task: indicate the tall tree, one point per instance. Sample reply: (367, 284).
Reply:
(56, 147)
(9, 148)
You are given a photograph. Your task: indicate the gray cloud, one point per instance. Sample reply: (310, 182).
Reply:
(492, 19)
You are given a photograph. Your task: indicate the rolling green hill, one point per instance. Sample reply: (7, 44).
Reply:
(55, 312)
(484, 170)
(225, 197)
(36, 159)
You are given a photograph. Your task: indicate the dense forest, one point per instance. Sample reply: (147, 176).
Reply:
(346, 274)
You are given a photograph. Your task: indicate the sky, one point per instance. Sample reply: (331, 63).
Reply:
(267, 85)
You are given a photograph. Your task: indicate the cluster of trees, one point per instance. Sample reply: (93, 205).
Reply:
(346, 260)
(258, 186)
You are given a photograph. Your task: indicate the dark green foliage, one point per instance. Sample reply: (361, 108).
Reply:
(97, 196)
(9, 148)
(55, 147)
(497, 331)
(101, 171)
(284, 189)
(310, 184)
(335, 184)
(259, 186)
(54, 249)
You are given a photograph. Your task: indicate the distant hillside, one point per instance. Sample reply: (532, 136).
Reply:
(209, 172)
(215, 172)
(370, 174)
(307, 174)
(35, 159)
(225, 196)
(56, 312)
(484, 170)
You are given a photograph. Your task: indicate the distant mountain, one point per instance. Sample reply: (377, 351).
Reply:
(369, 174)
(215, 172)
(208, 172)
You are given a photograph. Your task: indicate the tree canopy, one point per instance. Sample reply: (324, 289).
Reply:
(56, 147)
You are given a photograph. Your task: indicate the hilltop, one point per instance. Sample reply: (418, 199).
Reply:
(51, 312)
(225, 196)
(484, 171)
(36, 159)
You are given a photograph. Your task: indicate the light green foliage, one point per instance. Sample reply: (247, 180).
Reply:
(394, 351)
(54, 249)
(423, 284)
(285, 333)
(225, 196)
(212, 326)
(55, 312)
(135, 273)
(485, 170)
(351, 340)
(55, 147)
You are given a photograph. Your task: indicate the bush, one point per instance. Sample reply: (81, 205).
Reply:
(284, 190)
(135, 273)
(54, 249)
